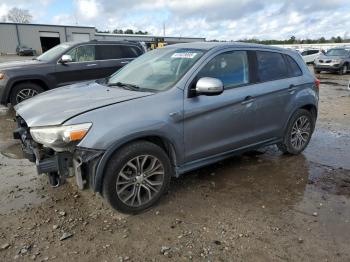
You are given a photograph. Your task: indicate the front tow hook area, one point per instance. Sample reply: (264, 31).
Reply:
(55, 179)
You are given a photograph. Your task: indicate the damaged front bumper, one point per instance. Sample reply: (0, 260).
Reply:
(74, 161)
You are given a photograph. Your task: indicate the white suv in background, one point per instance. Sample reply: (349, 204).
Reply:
(309, 55)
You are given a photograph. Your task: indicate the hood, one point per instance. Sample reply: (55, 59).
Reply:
(20, 64)
(57, 106)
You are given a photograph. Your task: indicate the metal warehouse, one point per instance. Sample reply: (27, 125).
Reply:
(42, 37)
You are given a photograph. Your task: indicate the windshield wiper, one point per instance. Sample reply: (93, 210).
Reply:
(129, 86)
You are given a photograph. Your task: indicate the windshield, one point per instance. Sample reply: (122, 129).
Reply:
(53, 52)
(337, 52)
(157, 70)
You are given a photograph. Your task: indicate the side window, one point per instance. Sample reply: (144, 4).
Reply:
(130, 51)
(82, 53)
(294, 69)
(312, 52)
(271, 66)
(106, 52)
(231, 68)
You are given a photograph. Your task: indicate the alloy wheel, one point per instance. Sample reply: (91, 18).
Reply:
(25, 94)
(301, 132)
(140, 180)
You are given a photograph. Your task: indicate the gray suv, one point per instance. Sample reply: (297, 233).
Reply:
(168, 112)
(334, 60)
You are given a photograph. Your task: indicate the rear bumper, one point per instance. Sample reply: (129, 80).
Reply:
(79, 162)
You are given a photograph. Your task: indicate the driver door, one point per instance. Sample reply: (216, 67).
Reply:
(84, 66)
(218, 124)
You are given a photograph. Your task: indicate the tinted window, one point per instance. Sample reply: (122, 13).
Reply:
(294, 69)
(231, 68)
(312, 52)
(130, 51)
(82, 53)
(271, 66)
(105, 52)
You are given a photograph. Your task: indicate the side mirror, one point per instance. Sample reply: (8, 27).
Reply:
(66, 59)
(209, 86)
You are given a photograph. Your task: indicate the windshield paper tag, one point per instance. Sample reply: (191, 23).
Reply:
(184, 55)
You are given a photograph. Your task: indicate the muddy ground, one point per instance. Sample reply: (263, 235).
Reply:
(262, 206)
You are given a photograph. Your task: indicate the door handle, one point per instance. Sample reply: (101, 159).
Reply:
(292, 88)
(91, 65)
(248, 100)
(124, 62)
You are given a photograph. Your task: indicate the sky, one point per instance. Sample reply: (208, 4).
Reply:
(212, 19)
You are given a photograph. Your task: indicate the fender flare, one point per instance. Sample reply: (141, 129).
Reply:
(99, 172)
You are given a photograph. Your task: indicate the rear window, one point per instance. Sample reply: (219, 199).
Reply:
(271, 66)
(294, 69)
(105, 52)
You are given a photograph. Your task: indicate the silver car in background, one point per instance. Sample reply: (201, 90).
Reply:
(170, 111)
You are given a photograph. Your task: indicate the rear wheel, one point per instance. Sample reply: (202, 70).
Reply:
(136, 177)
(24, 91)
(298, 133)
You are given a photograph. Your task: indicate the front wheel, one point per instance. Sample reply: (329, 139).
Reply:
(136, 177)
(24, 91)
(343, 70)
(298, 133)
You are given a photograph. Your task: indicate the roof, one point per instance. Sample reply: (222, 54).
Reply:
(147, 36)
(76, 26)
(211, 45)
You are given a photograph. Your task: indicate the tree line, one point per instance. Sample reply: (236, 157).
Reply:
(294, 40)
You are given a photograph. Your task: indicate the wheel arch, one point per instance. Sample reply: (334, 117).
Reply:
(35, 80)
(159, 140)
(312, 108)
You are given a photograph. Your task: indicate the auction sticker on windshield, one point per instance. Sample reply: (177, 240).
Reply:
(184, 55)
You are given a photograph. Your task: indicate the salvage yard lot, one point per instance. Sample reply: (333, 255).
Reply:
(262, 206)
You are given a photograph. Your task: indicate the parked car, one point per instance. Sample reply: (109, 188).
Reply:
(25, 51)
(64, 64)
(169, 111)
(334, 60)
(309, 55)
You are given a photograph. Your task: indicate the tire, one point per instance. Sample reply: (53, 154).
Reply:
(317, 71)
(290, 144)
(343, 70)
(24, 91)
(132, 186)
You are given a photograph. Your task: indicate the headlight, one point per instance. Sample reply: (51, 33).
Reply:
(2, 75)
(59, 135)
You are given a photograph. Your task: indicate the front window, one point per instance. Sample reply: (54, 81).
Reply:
(337, 52)
(85, 53)
(54, 52)
(230, 67)
(157, 70)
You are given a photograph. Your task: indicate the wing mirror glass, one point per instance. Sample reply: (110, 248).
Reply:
(66, 59)
(209, 86)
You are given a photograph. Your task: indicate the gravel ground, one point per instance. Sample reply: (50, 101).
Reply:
(262, 206)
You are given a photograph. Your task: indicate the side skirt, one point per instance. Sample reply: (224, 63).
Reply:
(179, 170)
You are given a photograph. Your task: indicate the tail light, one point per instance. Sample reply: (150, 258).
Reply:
(317, 83)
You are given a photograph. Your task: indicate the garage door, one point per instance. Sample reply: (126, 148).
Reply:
(49, 34)
(81, 37)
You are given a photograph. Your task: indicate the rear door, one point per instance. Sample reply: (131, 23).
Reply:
(83, 66)
(112, 57)
(277, 85)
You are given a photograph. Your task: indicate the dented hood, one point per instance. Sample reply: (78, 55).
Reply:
(56, 106)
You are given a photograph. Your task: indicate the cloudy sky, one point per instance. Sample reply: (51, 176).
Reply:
(213, 19)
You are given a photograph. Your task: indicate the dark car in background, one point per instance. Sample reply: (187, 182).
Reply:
(64, 64)
(25, 51)
(334, 60)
